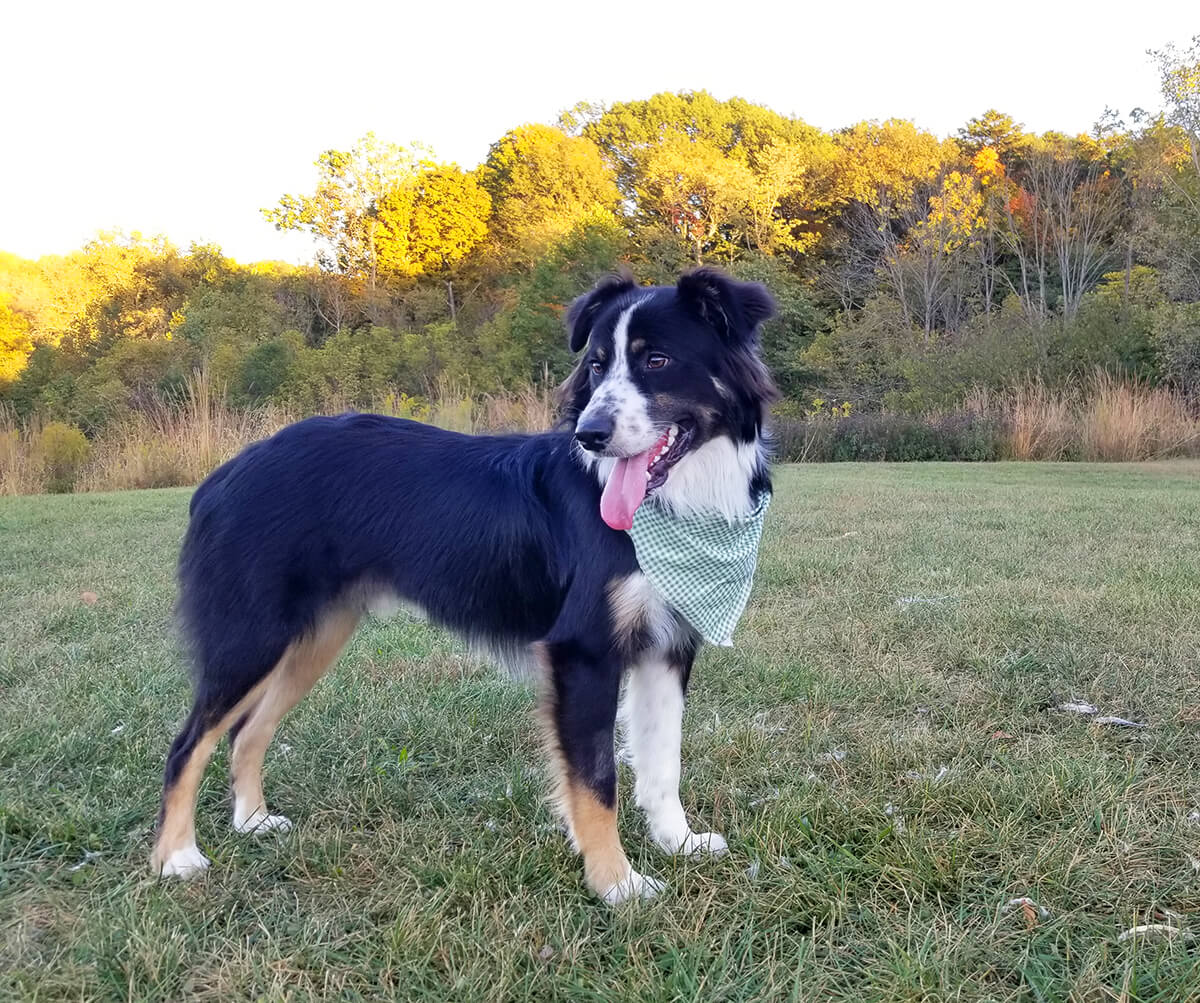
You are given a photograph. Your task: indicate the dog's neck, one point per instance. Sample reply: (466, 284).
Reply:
(713, 479)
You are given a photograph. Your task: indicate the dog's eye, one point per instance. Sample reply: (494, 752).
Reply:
(656, 361)
(597, 367)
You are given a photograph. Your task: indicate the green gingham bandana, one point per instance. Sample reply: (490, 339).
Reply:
(702, 565)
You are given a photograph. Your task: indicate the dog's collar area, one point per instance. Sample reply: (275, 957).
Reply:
(703, 565)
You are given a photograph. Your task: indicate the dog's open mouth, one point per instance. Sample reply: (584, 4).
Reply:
(634, 477)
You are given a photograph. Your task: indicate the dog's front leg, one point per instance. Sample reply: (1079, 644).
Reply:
(652, 714)
(581, 710)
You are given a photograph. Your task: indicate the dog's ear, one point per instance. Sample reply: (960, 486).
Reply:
(583, 312)
(734, 309)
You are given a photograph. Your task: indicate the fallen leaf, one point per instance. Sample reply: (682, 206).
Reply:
(1000, 735)
(1030, 910)
(90, 598)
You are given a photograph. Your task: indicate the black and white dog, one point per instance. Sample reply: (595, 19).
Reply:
(515, 541)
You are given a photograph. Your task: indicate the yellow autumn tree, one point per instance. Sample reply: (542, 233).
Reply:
(432, 223)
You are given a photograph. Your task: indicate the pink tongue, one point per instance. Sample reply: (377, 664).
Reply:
(625, 490)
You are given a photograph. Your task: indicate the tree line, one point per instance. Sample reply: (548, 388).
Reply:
(909, 268)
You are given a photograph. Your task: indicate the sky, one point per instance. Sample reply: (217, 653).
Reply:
(186, 119)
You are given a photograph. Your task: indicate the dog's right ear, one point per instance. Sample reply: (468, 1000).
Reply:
(583, 312)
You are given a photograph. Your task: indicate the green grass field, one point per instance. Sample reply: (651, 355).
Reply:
(881, 749)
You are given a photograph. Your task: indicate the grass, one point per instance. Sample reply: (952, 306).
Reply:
(882, 750)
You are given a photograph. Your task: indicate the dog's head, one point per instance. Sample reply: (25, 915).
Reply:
(668, 373)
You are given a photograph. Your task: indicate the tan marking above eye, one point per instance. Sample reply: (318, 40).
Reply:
(601, 355)
(636, 345)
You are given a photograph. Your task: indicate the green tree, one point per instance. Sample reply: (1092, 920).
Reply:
(526, 340)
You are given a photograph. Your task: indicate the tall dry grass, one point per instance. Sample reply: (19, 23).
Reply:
(22, 470)
(1102, 419)
(177, 441)
(1036, 421)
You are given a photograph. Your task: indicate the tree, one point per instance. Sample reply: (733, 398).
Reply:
(886, 163)
(925, 250)
(629, 132)
(700, 194)
(1179, 78)
(432, 223)
(15, 343)
(1179, 202)
(1061, 227)
(542, 183)
(992, 130)
(342, 212)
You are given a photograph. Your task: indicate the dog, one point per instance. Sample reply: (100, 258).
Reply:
(514, 541)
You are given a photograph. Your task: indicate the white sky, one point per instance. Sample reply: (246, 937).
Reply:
(186, 119)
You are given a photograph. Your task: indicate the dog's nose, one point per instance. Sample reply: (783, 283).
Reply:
(595, 432)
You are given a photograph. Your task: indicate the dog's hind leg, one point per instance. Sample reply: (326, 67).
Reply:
(580, 709)
(652, 715)
(175, 852)
(305, 661)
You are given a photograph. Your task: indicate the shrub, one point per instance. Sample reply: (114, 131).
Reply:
(1176, 334)
(888, 436)
(62, 449)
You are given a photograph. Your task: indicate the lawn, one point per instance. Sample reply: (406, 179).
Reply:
(883, 750)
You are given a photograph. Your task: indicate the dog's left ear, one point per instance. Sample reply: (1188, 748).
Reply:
(583, 312)
(734, 308)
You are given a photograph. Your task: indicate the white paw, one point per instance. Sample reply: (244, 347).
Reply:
(635, 886)
(260, 823)
(186, 862)
(695, 844)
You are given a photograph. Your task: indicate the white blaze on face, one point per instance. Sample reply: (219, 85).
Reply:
(618, 396)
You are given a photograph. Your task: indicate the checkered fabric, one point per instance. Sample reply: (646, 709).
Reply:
(702, 565)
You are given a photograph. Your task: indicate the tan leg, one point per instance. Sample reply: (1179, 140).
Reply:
(594, 831)
(303, 664)
(590, 808)
(175, 852)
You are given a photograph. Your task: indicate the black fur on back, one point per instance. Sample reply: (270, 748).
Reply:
(487, 534)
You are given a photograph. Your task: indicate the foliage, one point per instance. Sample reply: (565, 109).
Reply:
(15, 344)
(908, 268)
(62, 450)
(543, 183)
(342, 213)
(431, 224)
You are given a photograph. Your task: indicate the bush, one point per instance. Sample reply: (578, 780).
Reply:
(1176, 334)
(958, 435)
(62, 449)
